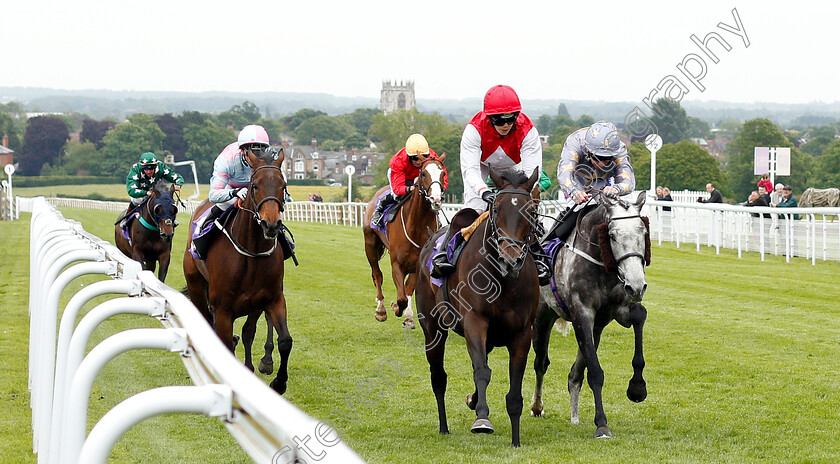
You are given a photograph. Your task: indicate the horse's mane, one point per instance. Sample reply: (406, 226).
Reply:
(516, 178)
(162, 186)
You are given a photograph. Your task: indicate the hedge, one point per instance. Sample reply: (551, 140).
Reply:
(49, 181)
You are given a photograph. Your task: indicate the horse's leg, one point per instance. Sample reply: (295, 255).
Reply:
(542, 334)
(575, 383)
(475, 332)
(586, 338)
(197, 288)
(277, 313)
(374, 248)
(635, 314)
(163, 259)
(518, 351)
(435, 346)
(266, 363)
(224, 328)
(249, 330)
(399, 281)
(410, 283)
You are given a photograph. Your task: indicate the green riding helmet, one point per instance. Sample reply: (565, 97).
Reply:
(148, 159)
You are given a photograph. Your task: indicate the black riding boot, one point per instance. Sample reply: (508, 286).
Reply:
(201, 244)
(440, 263)
(543, 263)
(380, 208)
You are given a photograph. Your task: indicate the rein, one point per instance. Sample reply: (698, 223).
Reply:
(422, 191)
(509, 242)
(255, 214)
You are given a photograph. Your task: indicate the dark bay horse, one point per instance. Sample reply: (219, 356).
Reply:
(243, 273)
(490, 299)
(416, 222)
(600, 277)
(151, 232)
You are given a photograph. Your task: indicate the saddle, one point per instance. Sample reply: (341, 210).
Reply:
(455, 245)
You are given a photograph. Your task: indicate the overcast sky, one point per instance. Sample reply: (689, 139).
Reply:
(598, 50)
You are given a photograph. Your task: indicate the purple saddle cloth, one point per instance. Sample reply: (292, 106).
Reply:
(451, 247)
(380, 226)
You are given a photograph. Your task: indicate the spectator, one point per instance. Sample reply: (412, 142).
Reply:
(714, 195)
(764, 193)
(756, 199)
(788, 200)
(311, 197)
(659, 193)
(666, 196)
(318, 198)
(777, 195)
(765, 181)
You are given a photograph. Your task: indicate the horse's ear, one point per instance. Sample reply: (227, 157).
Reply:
(443, 156)
(253, 160)
(496, 178)
(281, 155)
(535, 176)
(608, 200)
(640, 201)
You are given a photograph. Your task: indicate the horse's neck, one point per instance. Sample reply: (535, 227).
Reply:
(245, 230)
(418, 210)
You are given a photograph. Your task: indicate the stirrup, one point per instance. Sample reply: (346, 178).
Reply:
(543, 272)
(441, 266)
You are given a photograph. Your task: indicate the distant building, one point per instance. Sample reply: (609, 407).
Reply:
(397, 96)
(7, 155)
(309, 162)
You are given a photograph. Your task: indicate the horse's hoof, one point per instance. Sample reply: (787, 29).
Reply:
(637, 391)
(536, 411)
(279, 387)
(482, 426)
(381, 317)
(266, 368)
(603, 432)
(408, 323)
(397, 310)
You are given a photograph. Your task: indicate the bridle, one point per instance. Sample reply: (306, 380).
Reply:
(508, 242)
(166, 219)
(596, 244)
(255, 214)
(424, 192)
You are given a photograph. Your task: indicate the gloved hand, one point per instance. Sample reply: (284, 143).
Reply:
(488, 196)
(240, 192)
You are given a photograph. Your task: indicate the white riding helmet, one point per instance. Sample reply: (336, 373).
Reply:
(253, 134)
(602, 140)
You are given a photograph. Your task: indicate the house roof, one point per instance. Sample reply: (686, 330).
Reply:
(5, 151)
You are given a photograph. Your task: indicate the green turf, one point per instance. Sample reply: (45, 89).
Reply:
(741, 367)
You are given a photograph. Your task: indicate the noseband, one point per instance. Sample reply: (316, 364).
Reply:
(631, 254)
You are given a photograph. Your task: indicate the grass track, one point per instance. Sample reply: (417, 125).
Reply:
(741, 354)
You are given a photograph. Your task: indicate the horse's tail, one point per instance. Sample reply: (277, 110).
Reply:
(563, 326)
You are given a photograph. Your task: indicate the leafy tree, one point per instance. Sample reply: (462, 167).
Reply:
(174, 132)
(293, 121)
(545, 124)
(204, 143)
(330, 145)
(194, 117)
(686, 166)
(729, 129)
(827, 171)
(124, 144)
(670, 119)
(152, 130)
(9, 129)
(361, 119)
(83, 159)
(816, 145)
(356, 140)
(44, 139)
(394, 128)
(239, 116)
(323, 128)
(93, 131)
(584, 120)
(698, 128)
(447, 139)
(640, 160)
(274, 127)
(740, 154)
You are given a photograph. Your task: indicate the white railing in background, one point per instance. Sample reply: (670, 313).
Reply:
(61, 376)
(813, 236)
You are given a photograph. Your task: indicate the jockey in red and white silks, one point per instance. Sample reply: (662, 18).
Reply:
(515, 143)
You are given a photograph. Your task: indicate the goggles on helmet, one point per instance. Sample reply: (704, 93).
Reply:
(502, 119)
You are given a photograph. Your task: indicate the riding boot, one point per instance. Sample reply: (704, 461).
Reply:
(543, 263)
(201, 244)
(440, 262)
(380, 208)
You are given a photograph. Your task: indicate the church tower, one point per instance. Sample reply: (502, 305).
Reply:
(397, 96)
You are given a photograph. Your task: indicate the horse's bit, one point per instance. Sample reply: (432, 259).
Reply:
(509, 242)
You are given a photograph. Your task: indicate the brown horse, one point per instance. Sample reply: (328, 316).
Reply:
(490, 299)
(416, 222)
(151, 232)
(243, 273)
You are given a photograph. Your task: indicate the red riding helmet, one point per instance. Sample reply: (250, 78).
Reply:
(501, 99)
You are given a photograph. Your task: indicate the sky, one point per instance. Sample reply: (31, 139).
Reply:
(785, 52)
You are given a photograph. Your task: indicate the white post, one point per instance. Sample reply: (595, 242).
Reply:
(9, 171)
(350, 170)
(653, 142)
(773, 166)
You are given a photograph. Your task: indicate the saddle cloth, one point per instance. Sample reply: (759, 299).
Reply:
(455, 245)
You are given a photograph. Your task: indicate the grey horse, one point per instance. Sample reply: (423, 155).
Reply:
(595, 284)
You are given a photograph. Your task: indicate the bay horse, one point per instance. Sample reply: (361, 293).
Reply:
(417, 222)
(243, 273)
(151, 232)
(592, 292)
(492, 302)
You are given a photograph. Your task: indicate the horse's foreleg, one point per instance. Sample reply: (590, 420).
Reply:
(277, 313)
(197, 288)
(266, 363)
(518, 363)
(575, 383)
(374, 248)
(224, 328)
(411, 282)
(586, 339)
(637, 389)
(249, 330)
(163, 259)
(542, 334)
(435, 337)
(476, 335)
(399, 282)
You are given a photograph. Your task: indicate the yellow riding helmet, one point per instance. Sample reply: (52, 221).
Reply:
(417, 145)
